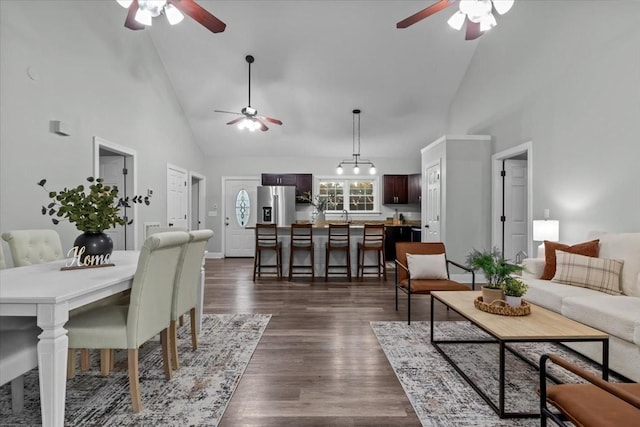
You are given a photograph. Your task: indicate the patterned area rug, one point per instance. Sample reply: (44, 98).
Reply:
(197, 395)
(441, 397)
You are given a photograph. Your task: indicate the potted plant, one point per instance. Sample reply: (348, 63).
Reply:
(495, 268)
(320, 204)
(514, 289)
(92, 212)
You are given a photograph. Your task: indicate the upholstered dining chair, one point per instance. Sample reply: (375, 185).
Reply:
(148, 313)
(3, 263)
(185, 289)
(422, 267)
(18, 355)
(33, 246)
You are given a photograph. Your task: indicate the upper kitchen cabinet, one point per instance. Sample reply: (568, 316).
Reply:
(396, 189)
(415, 189)
(302, 181)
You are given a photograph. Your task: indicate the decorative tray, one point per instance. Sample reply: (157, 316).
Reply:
(501, 307)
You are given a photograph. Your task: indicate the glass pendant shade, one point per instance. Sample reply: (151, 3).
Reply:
(152, 7)
(143, 17)
(457, 20)
(173, 14)
(503, 6)
(372, 170)
(339, 170)
(488, 22)
(356, 169)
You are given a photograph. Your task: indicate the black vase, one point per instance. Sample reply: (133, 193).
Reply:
(94, 248)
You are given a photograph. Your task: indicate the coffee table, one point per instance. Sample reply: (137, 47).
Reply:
(541, 325)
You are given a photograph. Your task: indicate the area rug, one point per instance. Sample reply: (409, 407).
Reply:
(197, 395)
(441, 397)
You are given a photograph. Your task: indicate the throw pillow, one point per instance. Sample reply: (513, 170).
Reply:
(587, 249)
(598, 274)
(427, 266)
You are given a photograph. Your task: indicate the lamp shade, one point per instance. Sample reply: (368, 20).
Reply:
(547, 229)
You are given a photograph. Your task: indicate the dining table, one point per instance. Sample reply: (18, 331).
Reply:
(48, 293)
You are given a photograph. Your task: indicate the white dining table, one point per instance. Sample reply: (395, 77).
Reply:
(49, 294)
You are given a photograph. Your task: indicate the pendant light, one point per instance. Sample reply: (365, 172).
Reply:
(356, 161)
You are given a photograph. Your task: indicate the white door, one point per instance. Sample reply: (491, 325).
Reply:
(515, 207)
(112, 168)
(177, 197)
(240, 204)
(197, 196)
(432, 226)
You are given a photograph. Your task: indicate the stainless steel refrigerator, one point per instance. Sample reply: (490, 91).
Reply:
(277, 205)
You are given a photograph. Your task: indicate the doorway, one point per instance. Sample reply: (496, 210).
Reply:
(239, 200)
(197, 201)
(432, 224)
(512, 201)
(177, 197)
(117, 166)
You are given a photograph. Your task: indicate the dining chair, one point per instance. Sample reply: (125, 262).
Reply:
(302, 241)
(18, 355)
(186, 287)
(338, 240)
(267, 241)
(3, 263)
(148, 313)
(33, 246)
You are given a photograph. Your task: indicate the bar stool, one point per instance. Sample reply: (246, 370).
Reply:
(302, 241)
(373, 240)
(267, 240)
(339, 240)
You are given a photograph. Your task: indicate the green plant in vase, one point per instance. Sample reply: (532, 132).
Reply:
(92, 209)
(495, 268)
(514, 289)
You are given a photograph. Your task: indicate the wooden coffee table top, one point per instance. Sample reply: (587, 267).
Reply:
(541, 324)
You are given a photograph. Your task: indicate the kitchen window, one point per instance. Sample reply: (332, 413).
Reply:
(353, 194)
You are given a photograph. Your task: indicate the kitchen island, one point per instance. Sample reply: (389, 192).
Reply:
(320, 237)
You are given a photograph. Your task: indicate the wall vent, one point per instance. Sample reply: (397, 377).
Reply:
(148, 226)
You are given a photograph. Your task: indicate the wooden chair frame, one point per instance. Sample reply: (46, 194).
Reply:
(267, 240)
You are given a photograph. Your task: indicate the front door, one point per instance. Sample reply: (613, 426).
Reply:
(432, 226)
(240, 213)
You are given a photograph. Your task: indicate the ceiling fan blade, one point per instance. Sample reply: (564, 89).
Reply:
(424, 13)
(264, 127)
(271, 120)
(198, 13)
(228, 112)
(131, 22)
(473, 30)
(234, 121)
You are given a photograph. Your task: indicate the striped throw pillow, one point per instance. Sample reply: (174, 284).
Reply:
(598, 274)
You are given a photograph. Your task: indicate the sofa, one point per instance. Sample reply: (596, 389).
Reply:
(615, 310)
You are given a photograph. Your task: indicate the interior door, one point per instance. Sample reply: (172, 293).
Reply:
(240, 213)
(432, 227)
(112, 170)
(515, 207)
(177, 197)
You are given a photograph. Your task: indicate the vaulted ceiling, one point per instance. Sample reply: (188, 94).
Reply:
(315, 61)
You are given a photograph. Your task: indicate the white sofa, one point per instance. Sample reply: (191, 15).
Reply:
(617, 315)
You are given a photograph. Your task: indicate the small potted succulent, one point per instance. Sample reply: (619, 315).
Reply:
(495, 268)
(514, 289)
(92, 212)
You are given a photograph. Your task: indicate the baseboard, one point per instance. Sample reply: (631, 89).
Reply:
(214, 255)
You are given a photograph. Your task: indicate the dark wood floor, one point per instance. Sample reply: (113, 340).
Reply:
(318, 362)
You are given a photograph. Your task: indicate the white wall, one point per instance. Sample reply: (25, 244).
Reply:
(218, 167)
(100, 78)
(566, 75)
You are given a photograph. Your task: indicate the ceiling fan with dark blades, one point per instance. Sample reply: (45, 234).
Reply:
(142, 12)
(477, 14)
(249, 116)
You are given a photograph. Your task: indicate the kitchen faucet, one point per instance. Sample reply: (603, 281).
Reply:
(345, 213)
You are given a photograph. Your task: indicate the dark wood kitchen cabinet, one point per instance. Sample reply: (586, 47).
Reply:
(392, 235)
(302, 181)
(396, 189)
(415, 189)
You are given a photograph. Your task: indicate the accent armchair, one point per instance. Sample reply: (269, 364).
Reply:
(422, 267)
(594, 403)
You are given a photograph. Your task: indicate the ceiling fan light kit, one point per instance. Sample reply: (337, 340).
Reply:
(356, 161)
(477, 14)
(250, 119)
(142, 12)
